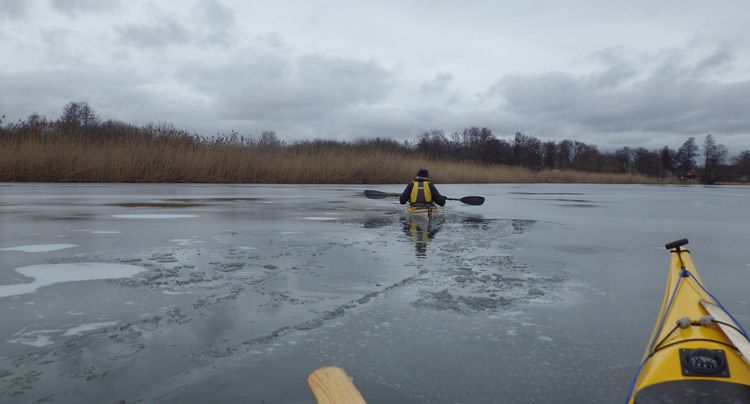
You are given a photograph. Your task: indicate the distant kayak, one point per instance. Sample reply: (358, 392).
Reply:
(698, 353)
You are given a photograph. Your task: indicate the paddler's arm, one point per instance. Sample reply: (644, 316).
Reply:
(436, 197)
(406, 195)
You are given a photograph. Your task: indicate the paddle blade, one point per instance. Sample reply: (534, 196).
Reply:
(472, 200)
(375, 194)
(331, 385)
(379, 195)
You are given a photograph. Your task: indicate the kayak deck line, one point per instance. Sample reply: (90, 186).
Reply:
(696, 359)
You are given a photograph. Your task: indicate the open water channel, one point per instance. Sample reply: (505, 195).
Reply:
(236, 293)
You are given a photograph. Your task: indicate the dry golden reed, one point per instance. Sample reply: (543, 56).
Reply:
(165, 159)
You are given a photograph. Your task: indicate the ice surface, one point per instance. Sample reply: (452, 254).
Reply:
(235, 293)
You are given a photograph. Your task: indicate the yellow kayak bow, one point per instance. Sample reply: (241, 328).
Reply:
(698, 353)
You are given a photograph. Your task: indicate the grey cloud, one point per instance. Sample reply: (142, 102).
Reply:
(14, 9)
(131, 98)
(304, 97)
(214, 21)
(265, 85)
(670, 98)
(72, 8)
(273, 42)
(210, 25)
(214, 13)
(717, 62)
(437, 85)
(158, 35)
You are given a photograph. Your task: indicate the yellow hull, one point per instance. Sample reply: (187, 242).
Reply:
(417, 209)
(423, 214)
(674, 370)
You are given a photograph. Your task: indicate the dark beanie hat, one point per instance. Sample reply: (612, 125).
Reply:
(423, 173)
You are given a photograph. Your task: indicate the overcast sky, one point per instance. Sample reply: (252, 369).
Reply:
(637, 73)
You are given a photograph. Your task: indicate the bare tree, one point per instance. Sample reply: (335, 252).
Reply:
(624, 156)
(714, 157)
(565, 153)
(80, 114)
(587, 158)
(742, 164)
(685, 158)
(549, 154)
(527, 150)
(646, 162)
(666, 160)
(269, 139)
(433, 143)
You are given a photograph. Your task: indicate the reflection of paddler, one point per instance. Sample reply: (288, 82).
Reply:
(417, 231)
(420, 232)
(422, 195)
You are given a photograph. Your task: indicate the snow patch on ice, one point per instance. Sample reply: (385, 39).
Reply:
(35, 338)
(186, 241)
(39, 247)
(50, 274)
(78, 330)
(143, 216)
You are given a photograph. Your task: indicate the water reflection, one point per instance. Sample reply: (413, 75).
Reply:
(420, 231)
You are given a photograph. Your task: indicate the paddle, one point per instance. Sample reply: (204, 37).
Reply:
(379, 195)
(331, 385)
(469, 200)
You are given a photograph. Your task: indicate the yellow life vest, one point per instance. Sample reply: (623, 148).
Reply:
(420, 192)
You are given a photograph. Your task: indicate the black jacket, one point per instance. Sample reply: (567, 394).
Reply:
(436, 197)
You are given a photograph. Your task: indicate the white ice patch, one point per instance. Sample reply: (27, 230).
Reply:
(186, 241)
(79, 330)
(321, 218)
(45, 275)
(35, 338)
(39, 247)
(152, 216)
(40, 338)
(545, 338)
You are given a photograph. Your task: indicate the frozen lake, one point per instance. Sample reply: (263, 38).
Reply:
(176, 293)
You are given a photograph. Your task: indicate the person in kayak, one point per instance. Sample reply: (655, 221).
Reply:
(421, 191)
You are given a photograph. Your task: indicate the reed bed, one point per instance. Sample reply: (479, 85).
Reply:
(170, 159)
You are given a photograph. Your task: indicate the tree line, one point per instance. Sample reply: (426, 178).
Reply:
(479, 145)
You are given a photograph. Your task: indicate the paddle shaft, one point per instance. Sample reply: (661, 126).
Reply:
(469, 200)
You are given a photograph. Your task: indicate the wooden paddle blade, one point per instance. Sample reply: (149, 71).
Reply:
(331, 385)
(738, 339)
(472, 200)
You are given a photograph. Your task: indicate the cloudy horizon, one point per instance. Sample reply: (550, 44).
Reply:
(612, 74)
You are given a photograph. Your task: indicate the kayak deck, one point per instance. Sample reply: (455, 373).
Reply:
(690, 358)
